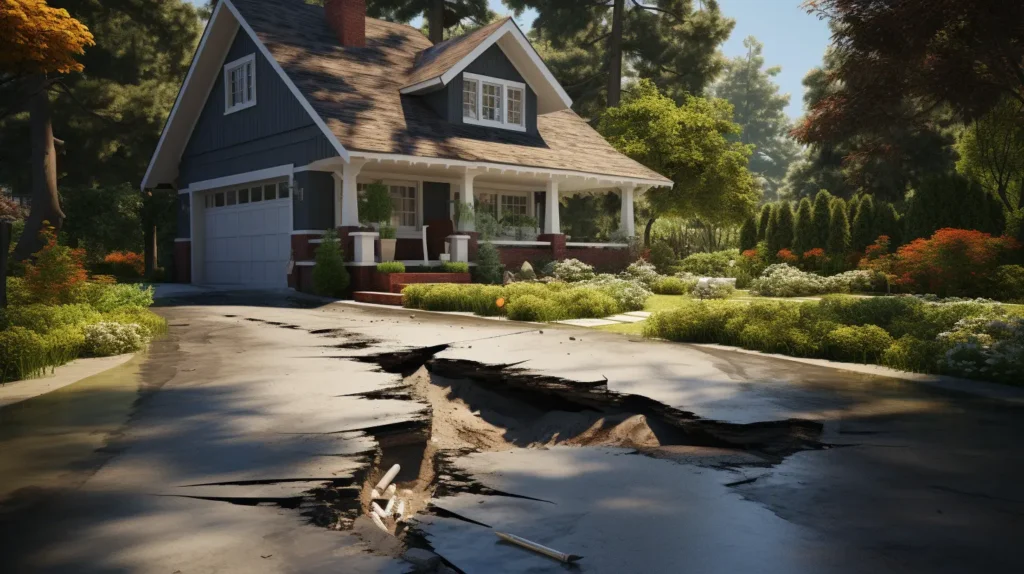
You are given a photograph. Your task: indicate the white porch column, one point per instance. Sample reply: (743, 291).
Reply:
(627, 222)
(552, 225)
(468, 199)
(346, 198)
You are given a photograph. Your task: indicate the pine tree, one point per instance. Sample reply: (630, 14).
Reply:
(851, 208)
(748, 234)
(762, 222)
(821, 214)
(864, 230)
(780, 228)
(330, 277)
(838, 231)
(803, 231)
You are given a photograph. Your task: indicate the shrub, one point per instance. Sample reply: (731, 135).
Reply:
(783, 280)
(533, 308)
(479, 299)
(56, 272)
(330, 278)
(780, 227)
(126, 264)
(375, 205)
(572, 270)
(662, 257)
(106, 297)
(488, 264)
(673, 286)
(748, 234)
(17, 292)
(862, 344)
(762, 221)
(630, 295)
(786, 256)
(858, 281)
(815, 258)
(838, 243)
(585, 303)
(804, 236)
(643, 272)
(1007, 283)
(693, 321)
(153, 324)
(63, 345)
(985, 348)
(863, 229)
(22, 354)
(391, 267)
(106, 339)
(952, 262)
(908, 353)
(713, 290)
(821, 214)
(44, 318)
(717, 264)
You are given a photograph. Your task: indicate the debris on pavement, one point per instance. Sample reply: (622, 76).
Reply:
(539, 548)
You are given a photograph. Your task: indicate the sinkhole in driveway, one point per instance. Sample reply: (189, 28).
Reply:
(471, 407)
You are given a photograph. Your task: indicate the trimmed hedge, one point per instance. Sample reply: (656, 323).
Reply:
(962, 337)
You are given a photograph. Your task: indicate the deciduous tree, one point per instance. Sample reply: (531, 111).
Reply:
(992, 152)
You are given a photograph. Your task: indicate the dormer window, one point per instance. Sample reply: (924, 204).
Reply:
(240, 84)
(493, 102)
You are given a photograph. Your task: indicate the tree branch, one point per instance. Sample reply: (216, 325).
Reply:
(67, 91)
(657, 9)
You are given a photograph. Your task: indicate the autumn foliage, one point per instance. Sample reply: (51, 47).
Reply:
(56, 270)
(39, 39)
(786, 256)
(124, 263)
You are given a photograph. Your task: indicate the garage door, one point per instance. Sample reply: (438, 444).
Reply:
(247, 244)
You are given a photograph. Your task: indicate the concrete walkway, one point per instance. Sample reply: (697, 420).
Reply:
(62, 376)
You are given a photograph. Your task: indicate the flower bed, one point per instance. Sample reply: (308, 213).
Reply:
(784, 280)
(973, 338)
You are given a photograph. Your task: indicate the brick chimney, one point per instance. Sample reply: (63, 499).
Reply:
(348, 20)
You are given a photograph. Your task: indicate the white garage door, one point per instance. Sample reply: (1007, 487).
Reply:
(247, 244)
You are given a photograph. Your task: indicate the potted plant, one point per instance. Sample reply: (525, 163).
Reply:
(375, 208)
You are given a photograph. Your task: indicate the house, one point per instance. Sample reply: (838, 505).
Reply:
(289, 109)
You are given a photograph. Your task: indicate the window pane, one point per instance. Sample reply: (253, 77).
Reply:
(243, 196)
(469, 99)
(231, 197)
(269, 191)
(488, 203)
(218, 199)
(257, 194)
(515, 106)
(403, 206)
(491, 109)
(282, 190)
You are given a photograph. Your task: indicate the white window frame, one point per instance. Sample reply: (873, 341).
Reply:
(503, 116)
(210, 196)
(230, 67)
(404, 231)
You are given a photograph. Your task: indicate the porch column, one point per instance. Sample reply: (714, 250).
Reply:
(552, 226)
(468, 199)
(346, 198)
(627, 222)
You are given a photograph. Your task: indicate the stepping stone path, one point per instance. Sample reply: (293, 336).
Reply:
(631, 317)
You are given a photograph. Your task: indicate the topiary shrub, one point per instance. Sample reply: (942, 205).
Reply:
(330, 277)
(858, 343)
(391, 267)
(455, 267)
(106, 339)
(748, 234)
(489, 268)
(662, 257)
(584, 303)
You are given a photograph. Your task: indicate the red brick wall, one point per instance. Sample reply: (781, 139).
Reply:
(302, 249)
(409, 249)
(348, 20)
(389, 282)
(513, 257)
(182, 261)
(606, 259)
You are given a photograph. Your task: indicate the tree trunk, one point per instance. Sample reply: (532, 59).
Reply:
(615, 55)
(647, 231)
(43, 166)
(435, 21)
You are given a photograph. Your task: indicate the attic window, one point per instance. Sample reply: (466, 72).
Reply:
(240, 84)
(493, 102)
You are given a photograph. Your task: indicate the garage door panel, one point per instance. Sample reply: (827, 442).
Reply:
(248, 245)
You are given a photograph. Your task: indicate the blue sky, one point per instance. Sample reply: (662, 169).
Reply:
(792, 38)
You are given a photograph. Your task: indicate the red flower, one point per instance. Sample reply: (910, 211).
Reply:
(786, 256)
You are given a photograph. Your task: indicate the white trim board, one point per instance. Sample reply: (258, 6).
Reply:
(239, 178)
(201, 59)
(250, 84)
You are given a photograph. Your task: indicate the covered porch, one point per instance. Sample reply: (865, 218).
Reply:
(518, 205)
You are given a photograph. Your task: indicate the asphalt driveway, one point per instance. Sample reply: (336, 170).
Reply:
(257, 428)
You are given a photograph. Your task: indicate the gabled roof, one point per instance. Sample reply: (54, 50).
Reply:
(356, 93)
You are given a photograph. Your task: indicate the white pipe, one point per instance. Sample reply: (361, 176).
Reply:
(390, 491)
(374, 494)
(540, 549)
(376, 509)
(388, 477)
(390, 506)
(400, 511)
(379, 523)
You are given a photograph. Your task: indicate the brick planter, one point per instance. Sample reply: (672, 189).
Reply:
(393, 282)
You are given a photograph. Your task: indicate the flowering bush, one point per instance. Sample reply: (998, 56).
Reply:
(57, 271)
(717, 264)
(572, 271)
(815, 258)
(106, 339)
(951, 262)
(713, 290)
(786, 256)
(124, 264)
(643, 272)
(985, 348)
(630, 295)
(858, 281)
(783, 280)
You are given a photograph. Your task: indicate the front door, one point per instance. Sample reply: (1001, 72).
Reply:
(437, 216)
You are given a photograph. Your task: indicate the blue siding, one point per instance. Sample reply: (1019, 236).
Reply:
(276, 131)
(316, 208)
(447, 102)
(184, 216)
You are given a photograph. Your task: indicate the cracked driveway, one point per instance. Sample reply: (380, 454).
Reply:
(258, 422)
